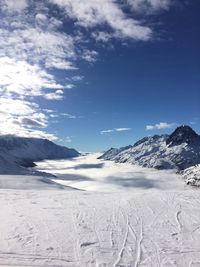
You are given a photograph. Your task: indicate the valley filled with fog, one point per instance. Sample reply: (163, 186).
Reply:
(120, 77)
(92, 212)
(89, 173)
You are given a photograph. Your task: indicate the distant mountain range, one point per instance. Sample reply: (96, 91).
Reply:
(17, 153)
(179, 151)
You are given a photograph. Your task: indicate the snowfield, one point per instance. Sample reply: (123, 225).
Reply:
(192, 175)
(121, 215)
(58, 228)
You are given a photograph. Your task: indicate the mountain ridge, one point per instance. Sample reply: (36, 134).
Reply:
(179, 150)
(18, 153)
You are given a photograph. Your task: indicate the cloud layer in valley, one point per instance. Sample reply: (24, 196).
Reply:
(89, 173)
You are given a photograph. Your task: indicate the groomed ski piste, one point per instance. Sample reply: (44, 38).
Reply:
(99, 213)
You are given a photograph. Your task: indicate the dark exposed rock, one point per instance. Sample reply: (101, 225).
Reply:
(179, 150)
(182, 134)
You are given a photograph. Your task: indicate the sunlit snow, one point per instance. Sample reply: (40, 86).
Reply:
(91, 174)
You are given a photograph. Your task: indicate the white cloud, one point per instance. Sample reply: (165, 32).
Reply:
(149, 5)
(29, 122)
(17, 107)
(48, 111)
(54, 115)
(160, 126)
(77, 78)
(30, 47)
(115, 130)
(14, 5)
(21, 118)
(57, 95)
(41, 20)
(69, 86)
(68, 139)
(100, 36)
(107, 131)
(18, 130)
(34, 47)
(91, 13)
(52, 48)
(68, 116)
(90, 56)
(23, 79)
(122, 129)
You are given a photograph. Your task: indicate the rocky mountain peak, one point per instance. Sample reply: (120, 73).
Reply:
(182, 134)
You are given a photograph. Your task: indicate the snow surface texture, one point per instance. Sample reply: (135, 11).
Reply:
(192, 175)
(179, 150)
(16, 153)
(136, 217)
(58, 228)
(28, 182)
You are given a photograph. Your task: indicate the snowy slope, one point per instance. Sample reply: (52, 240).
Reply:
(34, 149)
(192, 175)
(81, 229)
(179, 150)
(154, 224)
(28, 182)
(17, 153)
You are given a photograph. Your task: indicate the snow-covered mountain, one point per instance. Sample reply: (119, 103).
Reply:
(192, 175)
(16, 153)
(180, 150)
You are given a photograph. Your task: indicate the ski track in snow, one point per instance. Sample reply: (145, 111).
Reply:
(115, 226)
(56, 228)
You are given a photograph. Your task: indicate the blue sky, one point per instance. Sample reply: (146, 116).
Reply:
(98, 74)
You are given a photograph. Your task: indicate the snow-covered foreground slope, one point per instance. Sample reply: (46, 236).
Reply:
(124, 215)
(63, 228)
(28, 182)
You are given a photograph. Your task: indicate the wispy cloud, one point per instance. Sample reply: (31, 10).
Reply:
(28, 122)
(19, 78)
(35, 46)
(65, 115)
(13, 5)
(122, 129)
(66, 139)
(160, 126)
(22, 118)
(107, 131)
(115, 130)
(149, 5)
(57, 95)
(93, 13)
(77, 78)
(69, 116)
